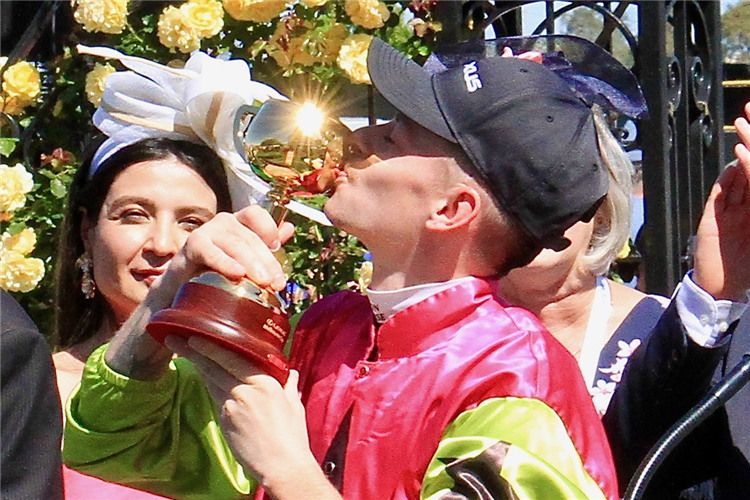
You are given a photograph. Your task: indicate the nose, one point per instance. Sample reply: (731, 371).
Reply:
(164, 239)
(363, 142)
(354, 147)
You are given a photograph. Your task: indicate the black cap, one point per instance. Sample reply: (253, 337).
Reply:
(529, 136)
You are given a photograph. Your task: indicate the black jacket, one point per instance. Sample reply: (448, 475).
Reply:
(664, 378)
(31, 417)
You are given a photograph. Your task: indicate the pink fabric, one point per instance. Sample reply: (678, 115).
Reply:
(435, 360)
(82, 487)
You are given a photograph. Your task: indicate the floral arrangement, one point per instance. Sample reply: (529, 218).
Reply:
(18, 273)
(304, 48)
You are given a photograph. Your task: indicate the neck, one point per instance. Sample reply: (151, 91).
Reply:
(428, 263)
(105, 332)
(563, 307)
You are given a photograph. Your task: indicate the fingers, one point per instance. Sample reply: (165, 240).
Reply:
(238, 245)
(742, 125)
(262, 224)
(532, 55)
(212, 372)
(286, 231)
(732, 186)
(238, 367)
(290, 388)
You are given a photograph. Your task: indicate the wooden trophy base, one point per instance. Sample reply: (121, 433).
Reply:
(240, 324)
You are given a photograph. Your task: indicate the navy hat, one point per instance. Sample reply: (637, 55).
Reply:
(530, 137)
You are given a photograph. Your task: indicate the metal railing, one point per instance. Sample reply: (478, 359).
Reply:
(675, 47)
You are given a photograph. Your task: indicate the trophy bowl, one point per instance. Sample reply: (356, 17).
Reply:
(294, 148)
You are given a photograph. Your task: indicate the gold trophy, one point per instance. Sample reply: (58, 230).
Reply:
(293, 147)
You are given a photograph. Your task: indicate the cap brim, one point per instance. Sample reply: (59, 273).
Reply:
(406, 86)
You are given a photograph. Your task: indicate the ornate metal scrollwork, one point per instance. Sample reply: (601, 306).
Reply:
(675, 48)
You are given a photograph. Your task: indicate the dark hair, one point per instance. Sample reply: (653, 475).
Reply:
(77, 319)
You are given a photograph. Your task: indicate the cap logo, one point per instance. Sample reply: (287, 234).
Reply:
(471, 77)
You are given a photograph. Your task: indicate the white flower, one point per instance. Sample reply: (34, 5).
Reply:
(601, 394)
(627, 350)
(19, 273)
(617, 367)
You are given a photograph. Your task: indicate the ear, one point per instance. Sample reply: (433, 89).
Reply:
(456, 211)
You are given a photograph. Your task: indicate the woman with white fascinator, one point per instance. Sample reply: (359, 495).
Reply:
(167, 166)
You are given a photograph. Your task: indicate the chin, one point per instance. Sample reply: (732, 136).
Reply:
(333, 215)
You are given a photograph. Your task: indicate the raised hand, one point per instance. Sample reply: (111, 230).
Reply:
(722, 255)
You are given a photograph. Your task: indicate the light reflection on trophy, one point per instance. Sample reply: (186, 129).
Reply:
(293, 147)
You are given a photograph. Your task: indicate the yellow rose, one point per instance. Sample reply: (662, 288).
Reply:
(313, 3)
(95, 82)
(283, 53)
(365, 275)
(175, 31)
(107, 16)
(19, 273)
(259, 11)
(15, 182)
(13, 105)
(370, 14)
(23, 242)
(353, 58)
(205, 16)
(288, 50)
(21, 81)
(335, 37)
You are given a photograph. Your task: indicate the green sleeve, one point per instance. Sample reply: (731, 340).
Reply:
(510, 448)
(161, 436)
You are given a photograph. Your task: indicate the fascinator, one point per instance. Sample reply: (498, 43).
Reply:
(200, 102)
(591, 72)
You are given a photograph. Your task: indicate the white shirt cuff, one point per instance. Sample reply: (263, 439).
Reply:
(706, 319)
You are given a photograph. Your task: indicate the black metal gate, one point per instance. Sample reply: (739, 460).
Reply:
(677, 57)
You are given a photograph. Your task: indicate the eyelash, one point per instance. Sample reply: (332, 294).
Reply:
(194, 221)
(130, 214)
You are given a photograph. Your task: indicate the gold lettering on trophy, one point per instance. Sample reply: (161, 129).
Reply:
(271, 327)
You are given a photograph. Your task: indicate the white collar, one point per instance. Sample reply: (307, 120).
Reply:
(386, 303)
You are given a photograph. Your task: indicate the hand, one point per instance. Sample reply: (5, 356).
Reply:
(236, 245)
(263, 422)
(531, 55)
(722, 254)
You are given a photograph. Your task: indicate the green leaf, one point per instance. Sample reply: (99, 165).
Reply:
(58, 188)
(16, 228)
(26, 121)
(7, 145)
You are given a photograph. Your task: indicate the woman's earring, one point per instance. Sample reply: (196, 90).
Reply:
(88, 286)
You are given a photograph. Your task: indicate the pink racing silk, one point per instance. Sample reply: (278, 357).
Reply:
(380, 401)
(79, 486)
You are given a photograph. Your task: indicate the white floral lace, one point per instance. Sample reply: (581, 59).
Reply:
(602, 392)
